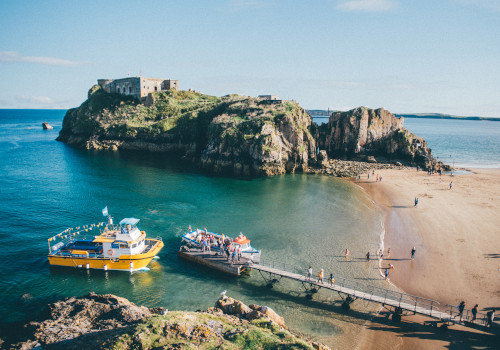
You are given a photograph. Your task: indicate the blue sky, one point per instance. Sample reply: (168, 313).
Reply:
(404, 55)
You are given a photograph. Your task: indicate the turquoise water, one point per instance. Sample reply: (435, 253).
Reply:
(48, 186)
(463, 143)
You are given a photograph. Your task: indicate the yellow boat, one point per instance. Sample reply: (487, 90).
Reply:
(118, 247)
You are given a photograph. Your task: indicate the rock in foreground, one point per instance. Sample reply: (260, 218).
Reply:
(110, 322)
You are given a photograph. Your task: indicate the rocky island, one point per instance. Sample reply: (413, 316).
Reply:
(111, 322)
(242, 136)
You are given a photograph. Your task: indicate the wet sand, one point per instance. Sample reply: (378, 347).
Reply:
(456, 236)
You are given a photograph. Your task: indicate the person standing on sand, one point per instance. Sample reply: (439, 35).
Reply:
(461, 308)
(346, 254)
(474, 312)
(386, 273)
(416, 202)
(413, 253)
(368, 256)
(388, 252)
(451, 185)
(491, 316)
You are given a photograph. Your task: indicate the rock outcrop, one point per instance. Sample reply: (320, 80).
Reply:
(110, 322)
(364, 133)
(238, 135)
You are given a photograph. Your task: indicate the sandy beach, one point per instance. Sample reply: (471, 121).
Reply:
(456, 236)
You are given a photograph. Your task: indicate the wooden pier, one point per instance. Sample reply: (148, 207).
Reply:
(215, 261)
(348, 290)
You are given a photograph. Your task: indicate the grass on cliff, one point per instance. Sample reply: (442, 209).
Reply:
(183, 115)
(206, 331)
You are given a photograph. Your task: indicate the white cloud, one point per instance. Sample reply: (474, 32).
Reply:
(488, 4)
(34, 100)
(368, 5)
(12, 56)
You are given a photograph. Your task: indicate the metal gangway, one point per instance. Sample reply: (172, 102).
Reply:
(349, 291)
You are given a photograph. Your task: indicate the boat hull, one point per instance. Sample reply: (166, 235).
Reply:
(123, 263)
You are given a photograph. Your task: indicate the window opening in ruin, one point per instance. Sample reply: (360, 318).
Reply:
(130, 89)
(156, 88)
(118, 90)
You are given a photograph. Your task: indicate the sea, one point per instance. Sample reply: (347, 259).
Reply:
(301, 220)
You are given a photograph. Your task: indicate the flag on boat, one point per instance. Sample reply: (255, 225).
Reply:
(105, 211)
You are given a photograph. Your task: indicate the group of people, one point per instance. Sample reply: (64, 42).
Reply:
(490, 315)
(224, 245)
(321, 274)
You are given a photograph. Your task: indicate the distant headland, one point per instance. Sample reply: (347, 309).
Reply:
(238, 135)
(325, 113)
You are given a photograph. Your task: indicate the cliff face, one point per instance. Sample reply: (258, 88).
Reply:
(110, 322)
(363, 132)
(233, 135)
(251, 139)
(237, 135)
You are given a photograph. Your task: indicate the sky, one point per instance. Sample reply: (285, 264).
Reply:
(407, 56)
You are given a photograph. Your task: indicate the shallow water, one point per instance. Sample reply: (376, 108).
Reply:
(302, 220)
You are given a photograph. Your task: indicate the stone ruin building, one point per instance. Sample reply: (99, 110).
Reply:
(138, 87)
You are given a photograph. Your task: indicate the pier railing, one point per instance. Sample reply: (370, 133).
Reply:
(481, 318)
(361, 290)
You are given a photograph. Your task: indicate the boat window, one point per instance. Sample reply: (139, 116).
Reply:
(134, 245)
(123, 246)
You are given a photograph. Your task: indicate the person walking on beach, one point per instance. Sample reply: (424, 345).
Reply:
(451, 185)
(490, 317)
(416, 202)
(413, 253)
(386, 273)
(461, 308)
(474, 312)
(309, 273)
(368, 256)
(320, 276)
(388, 252)
(346, 254)
(331, 280)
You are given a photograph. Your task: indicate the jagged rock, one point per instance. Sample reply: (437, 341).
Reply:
(47, 126)
(365, 131)
(232, 306)
(265, 311)
(110, 322)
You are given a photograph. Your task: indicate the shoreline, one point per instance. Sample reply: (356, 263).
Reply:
(452, 262)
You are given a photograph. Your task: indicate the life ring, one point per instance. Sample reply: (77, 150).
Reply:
(111, 252)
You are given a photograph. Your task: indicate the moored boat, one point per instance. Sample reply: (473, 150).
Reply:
(117, 247)
(194, 238)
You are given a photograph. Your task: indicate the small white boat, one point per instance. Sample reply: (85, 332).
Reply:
(193, 238)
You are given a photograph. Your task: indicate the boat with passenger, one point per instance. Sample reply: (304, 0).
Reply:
(117, 247)
(199, 238)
